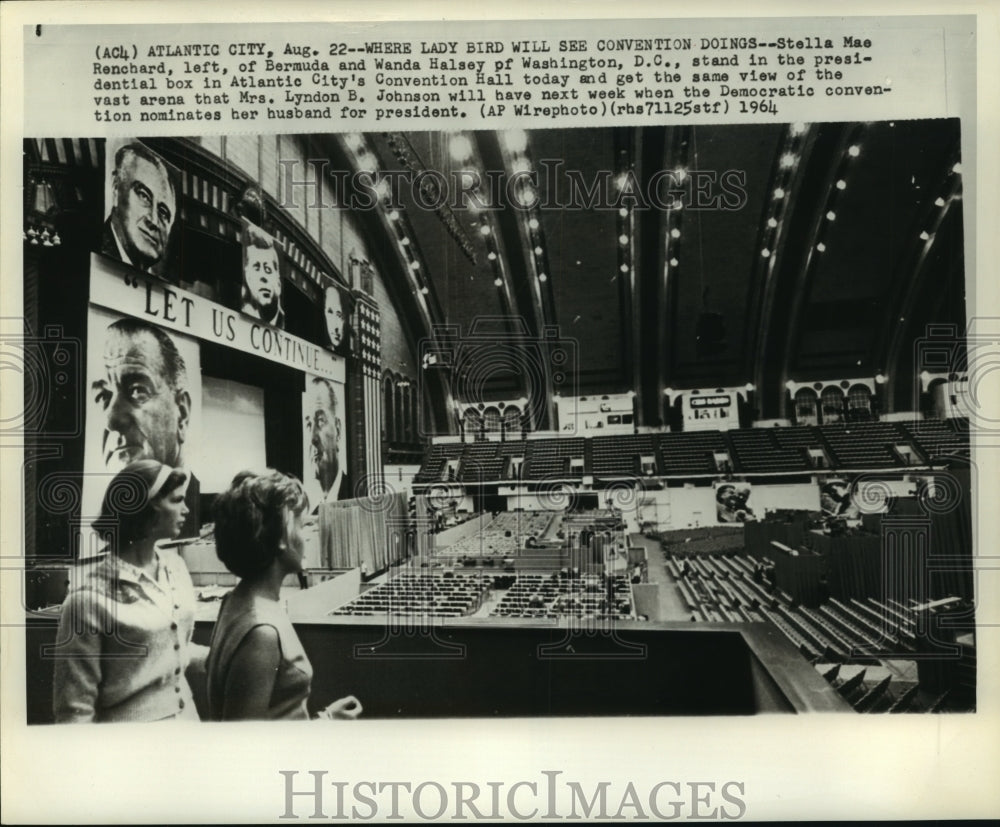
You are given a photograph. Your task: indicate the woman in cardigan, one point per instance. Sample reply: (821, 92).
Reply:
(124, 641)
(257, 668)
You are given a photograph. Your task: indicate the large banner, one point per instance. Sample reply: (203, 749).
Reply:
(732, 502)
(170, 307)
(141, 203)
(324, 441)
(144, 403)
(710, 412)
(260, 295)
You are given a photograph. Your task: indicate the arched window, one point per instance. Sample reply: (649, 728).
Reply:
(388, 407)
(414, 414)
(859, 404)
(406, 434)
(397, 411)
(473, 423)
(491, 419)
(805, 407)
(832, 405)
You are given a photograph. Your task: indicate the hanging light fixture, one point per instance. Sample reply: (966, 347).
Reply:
(40, 216)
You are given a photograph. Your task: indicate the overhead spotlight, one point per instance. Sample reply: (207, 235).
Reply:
(542, 277)
(831, 216)
(787, 160)
(841, 184)
(623, 239)
(538, 251)
(498, 282)
(623, 212)
(772, 223)
(779, 193)
(821, 247)
(880, 378)
(854, 150)
(405, 241)
(491, 256)
(624, 268)
(414, 265)
(765, 253)
(674, 262)
(925, 236)
(460, 148)
(424, 290)
(516, 140)
(484, 229)
(939, 202)
(675, 233)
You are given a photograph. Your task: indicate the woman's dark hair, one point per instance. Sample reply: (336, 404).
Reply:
(250, 519)
(127, 508)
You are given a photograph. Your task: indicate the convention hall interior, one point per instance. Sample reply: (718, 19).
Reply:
(659, 420)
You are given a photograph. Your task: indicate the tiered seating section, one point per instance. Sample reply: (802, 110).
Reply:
(567, 594)
(620, 455)
(940, 439)
(436, 460)
(857, 446)
(759, 451)
(865, 445)
(691, 453)
(836, 637)
(550, 458)
(428, 595)
(504, 536)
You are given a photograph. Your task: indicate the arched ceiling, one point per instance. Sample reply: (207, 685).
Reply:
(800, 251)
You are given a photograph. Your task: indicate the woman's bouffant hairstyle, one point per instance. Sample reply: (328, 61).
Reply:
(127, 509)
(250, 519)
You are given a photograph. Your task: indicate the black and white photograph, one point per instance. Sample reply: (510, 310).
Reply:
(260, 295)
(598, 412)
(141, 204)
(740, 309)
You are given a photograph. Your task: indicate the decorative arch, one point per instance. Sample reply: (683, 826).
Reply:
(859, 404)
(806, 407)
(832, 405)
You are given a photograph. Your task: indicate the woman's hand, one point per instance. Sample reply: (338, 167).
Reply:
(343, 709)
